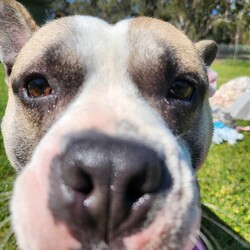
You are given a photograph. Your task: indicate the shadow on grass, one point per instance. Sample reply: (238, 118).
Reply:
(218, 234)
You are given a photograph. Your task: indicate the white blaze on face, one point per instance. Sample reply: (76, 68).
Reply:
(108, 98)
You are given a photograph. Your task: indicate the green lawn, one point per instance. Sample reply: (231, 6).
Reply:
(224, 179)
(6, 176)
(229, 69)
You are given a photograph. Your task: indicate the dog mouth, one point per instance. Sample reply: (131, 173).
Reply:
(104, 188)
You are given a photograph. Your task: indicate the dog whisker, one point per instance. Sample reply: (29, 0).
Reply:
(189, 131)
(203, 179)
(212, 179)
(4, 222)
(212, 238)
(226, 214)
(206, 241)
(226, 230)
(4, 209)
(184, 134)
(195, 239)
(7, 237)
(5, 199)
(5, 194)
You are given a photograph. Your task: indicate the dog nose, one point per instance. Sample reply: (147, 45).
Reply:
(112, 181)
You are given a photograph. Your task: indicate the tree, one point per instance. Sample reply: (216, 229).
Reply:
(231, 24)
(37, 8)
(225, 21)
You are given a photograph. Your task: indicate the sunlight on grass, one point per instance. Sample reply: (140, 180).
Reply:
(229, 69)
(224, 183)
(3, 92)
(7, 176)
(224, 179)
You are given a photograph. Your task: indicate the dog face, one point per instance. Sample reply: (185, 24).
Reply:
(108, 124)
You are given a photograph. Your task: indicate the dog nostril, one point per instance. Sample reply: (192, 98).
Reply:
(147, 181)
(77, 179)
(134, 189)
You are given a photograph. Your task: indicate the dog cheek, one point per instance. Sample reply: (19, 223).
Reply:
(202, 136)
(18, 144)
(32, 221)
(22, 130)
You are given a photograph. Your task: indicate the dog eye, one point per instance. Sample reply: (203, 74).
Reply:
(181, 90)
(38, 87)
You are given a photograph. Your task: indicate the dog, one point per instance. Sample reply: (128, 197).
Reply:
(107, 126)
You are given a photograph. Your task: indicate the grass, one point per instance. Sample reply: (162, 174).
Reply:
(224, 179)
(7, 175)
(224, 184)
(229, 69)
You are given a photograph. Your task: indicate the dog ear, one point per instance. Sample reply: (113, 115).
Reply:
(207, 50)
(16, 27)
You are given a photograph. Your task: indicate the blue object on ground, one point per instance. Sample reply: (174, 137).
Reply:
(224, 133)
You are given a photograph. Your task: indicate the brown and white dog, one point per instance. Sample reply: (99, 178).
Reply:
(107, 125)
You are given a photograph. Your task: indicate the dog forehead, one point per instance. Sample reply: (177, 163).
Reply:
(149, 36)
(61, 35)
(79, 36)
